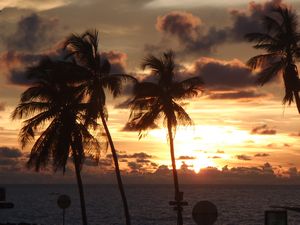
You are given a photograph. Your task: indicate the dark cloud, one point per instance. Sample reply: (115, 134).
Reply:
(134, 166)
(261, 155)
(196, 37)
(139, 155)
(33, 33)
(225, 79)
(117, 61)
(263, 130)
(293, 172)
(248, 21)
(7, 152)
(251, 94)
(163, 170)
(143, 160)
(189, 30)
(223, 75)
(182, 24)
(15, 63)
(243, 157)
(186, 157)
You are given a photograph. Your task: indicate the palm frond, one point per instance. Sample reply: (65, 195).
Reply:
(270, 72)
(261, 61)
(188, 88)
(28, 108)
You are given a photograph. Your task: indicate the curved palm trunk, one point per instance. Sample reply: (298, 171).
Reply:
(175, 176)
(117, 170)
(80, 188)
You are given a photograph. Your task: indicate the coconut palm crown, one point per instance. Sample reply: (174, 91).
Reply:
(54, 114)
(161, 100)
(84, 50)
(280, 39)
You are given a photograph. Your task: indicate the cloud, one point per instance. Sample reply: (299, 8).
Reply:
(195, 36)
(295, 134)
(243, 157)
(225, 79)
(134, 166)
(117, 61)
(263, 130)
(251, 94)
(182, 24)
(8, 152)
(223, 75)
(220, 152)
(139, 155)
(33, 33)
(15, 63)
(261, 155)
(33, 4)
(186, 157)
(247, 21)
(190, 32)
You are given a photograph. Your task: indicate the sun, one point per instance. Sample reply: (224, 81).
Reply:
(201, 162)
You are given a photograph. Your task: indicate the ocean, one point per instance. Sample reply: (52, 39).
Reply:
(237, 205)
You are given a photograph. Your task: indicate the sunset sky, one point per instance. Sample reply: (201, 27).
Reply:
(241, 131)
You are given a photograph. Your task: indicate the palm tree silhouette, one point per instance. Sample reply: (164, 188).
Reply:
(84, 51)
(281, 41)
(155, 100)
(50, 100)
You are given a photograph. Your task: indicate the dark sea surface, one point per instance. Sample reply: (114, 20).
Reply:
(242, 205)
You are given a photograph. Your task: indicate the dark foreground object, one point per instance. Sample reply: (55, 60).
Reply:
(205, 213)
(276, 217)
(3, 203)
(19, 224)
(6, 205)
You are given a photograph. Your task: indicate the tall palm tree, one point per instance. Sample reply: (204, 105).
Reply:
(51, 101)
(281, 41)
(153, 101)
(84, 50)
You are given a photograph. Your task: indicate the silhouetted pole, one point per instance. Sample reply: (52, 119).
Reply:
(64, 202)
(178, 203)
(178, 206)
(64, 211)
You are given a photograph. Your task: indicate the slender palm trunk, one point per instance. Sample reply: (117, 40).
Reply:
(80, 188)
(297, 100)
(117, 170)
(175, 176)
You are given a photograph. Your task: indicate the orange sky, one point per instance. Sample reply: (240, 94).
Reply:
(236, 123)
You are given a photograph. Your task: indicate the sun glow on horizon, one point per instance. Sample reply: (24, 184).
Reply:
(211, 145)
(201, 162)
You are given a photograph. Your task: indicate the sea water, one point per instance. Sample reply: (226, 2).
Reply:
(148, 204)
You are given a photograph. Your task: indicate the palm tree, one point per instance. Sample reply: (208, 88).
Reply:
(155, 100)
(51, 101)
(83, 49)
(281, 41)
